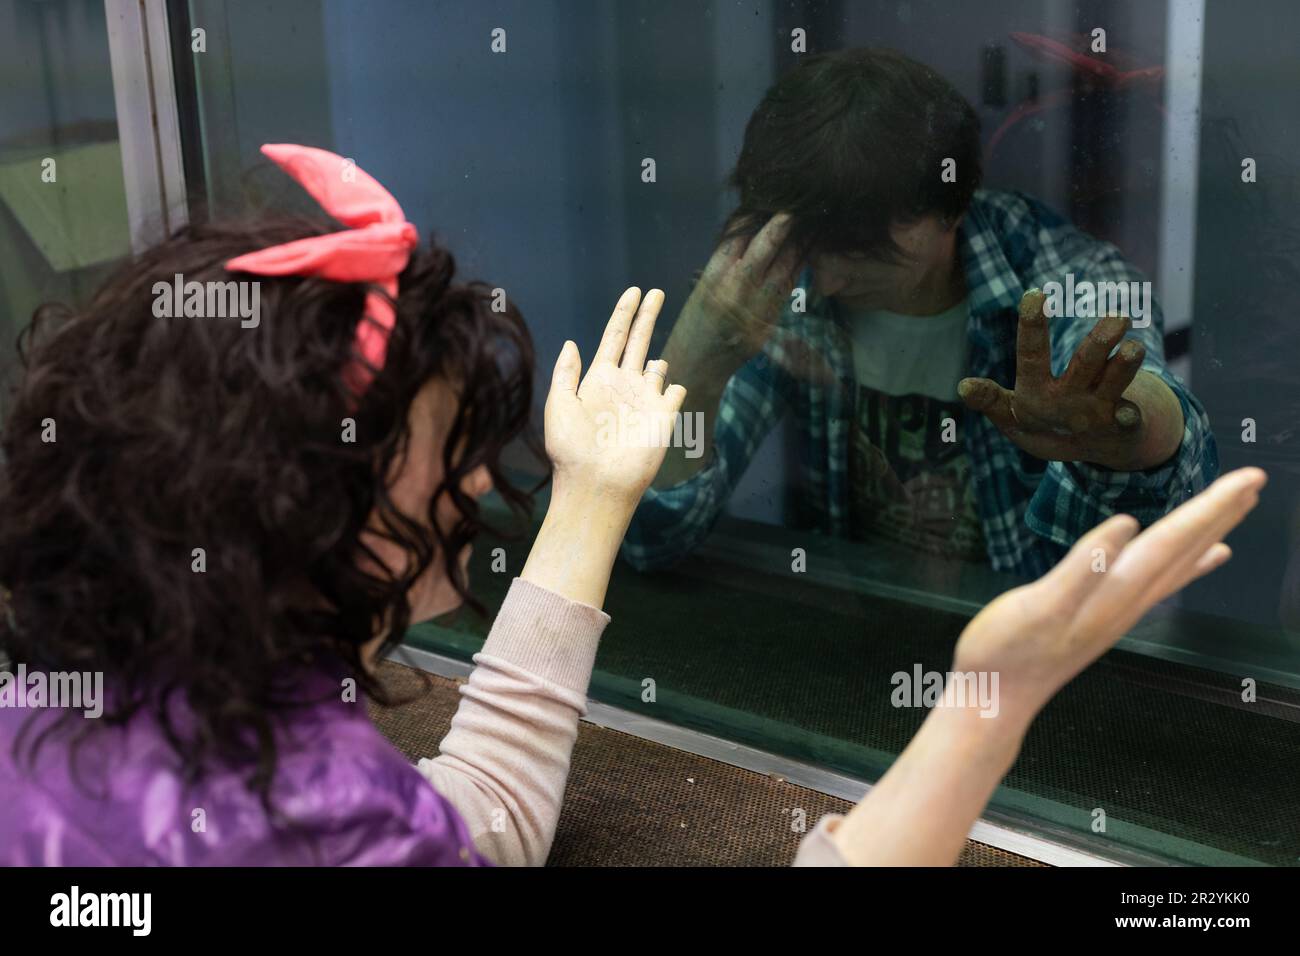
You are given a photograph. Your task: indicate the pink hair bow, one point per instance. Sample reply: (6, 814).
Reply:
(375, 249)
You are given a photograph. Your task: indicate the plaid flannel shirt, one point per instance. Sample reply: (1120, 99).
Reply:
(1031, 510)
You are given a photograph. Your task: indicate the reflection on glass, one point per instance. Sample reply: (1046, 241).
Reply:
(882, 431)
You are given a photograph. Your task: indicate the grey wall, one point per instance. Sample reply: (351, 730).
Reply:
(528, 163)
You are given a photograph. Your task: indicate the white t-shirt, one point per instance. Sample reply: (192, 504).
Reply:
(909, 472)
(910, 354)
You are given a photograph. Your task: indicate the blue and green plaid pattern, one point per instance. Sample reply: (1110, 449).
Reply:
(1031, 510)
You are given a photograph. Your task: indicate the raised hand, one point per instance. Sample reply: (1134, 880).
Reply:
(1038, 637)
(607, 432)
(1085, 414)
(1035, 639)
(745, 285)
(601, 467)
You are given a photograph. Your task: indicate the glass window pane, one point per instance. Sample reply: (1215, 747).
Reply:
(789, 586)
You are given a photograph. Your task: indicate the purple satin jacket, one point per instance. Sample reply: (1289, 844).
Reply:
(353, 796)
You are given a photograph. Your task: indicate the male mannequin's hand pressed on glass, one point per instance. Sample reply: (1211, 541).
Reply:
(1036, 638)
(600, 472)
(1104, 410)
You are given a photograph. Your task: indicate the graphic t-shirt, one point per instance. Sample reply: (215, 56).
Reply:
(909, 472)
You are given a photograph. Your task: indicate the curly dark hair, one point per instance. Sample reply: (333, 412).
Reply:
(179, 433)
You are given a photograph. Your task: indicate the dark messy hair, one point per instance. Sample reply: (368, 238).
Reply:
(850, 142)
(132, 439)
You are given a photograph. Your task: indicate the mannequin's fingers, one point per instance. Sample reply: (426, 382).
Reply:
(1183, 535)
(616, 329)
(1082, 570)
(1167, 553)
(568, 369)
(656, 375)
(1216, 556)
(643, 327)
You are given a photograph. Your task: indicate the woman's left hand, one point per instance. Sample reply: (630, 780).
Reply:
(607, 432)
(606, 435)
